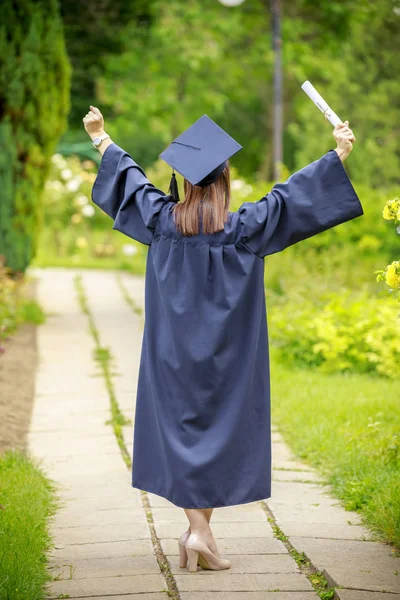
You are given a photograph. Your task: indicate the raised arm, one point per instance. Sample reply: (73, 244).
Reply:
(94, 124)
(314, 199)
(122, 189)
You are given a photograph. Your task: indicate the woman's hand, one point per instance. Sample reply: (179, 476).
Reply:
(93, 122)
(344, 139)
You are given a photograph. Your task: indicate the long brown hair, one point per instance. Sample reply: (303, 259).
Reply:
(209, 203)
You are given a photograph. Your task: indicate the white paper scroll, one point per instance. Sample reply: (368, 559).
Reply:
(312, 93)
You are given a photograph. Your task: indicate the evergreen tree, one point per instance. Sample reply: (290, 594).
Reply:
(34, 103)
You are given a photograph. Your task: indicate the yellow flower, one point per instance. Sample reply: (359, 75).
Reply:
(393, 274)
(81, 242)
(387, 213)
(391, 209)
(76, 218)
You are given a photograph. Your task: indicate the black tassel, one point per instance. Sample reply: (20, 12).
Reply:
(173, 188)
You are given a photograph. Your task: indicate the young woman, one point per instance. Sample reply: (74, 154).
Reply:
(202, 435)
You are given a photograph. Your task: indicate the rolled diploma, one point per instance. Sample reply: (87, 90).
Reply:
(312, 93)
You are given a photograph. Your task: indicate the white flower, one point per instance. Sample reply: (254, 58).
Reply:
(237, 184)
(129, 249)
(66, 174)
(54, 185)
(81, 200)
(247, 189)
(73, 185)
(59, 161)
(88, 210)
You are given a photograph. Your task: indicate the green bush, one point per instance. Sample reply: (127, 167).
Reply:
(34, 102)
(15, 308)
(77, 232)
(337, 331)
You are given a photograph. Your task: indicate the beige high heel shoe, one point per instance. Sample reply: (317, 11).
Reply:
(199, 553)
(183, 557)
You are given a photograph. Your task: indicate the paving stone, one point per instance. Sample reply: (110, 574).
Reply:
(290, 464)
(106, 476)
(250, 596)
(101, 533)
(66, 518)
(140, 596)
(85, 447)
(213, 581)
(248, 563)
(177, 515)
(97, 586)
(363, 595)
(280, 452)
(127, 432)
(100, 474)
(156, 500)
(70, 424)
(99, 491)
(78, 386)
(102, 434)
(59, 405)
(235, 546)
(326, 530)
(295, 492)
(102, 503)
(323, 513)
(220, 529)
(359, 565)
(300, 476)
(64, 553)
(106, 567)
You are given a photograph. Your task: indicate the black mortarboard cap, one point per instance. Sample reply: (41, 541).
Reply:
(200, 153)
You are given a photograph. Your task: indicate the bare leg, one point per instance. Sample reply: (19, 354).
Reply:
(208, 512)
(199, 519)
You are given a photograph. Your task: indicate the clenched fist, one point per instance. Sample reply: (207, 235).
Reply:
(93, 122)
(344, 139)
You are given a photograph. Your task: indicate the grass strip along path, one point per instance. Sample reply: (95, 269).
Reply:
(27, 500)
(348, 427)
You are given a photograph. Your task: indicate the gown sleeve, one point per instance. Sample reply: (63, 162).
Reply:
(123, 192)
(314, 199)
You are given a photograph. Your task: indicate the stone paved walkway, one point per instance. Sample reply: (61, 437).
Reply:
(111, 539)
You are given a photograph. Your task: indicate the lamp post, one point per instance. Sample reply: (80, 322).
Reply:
(277, 125)
(278, 81)
(231, 2)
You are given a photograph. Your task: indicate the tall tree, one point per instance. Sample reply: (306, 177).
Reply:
(34, 102)
(200, 57)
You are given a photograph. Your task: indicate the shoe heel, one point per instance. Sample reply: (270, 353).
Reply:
(192, 560)
(183, 557)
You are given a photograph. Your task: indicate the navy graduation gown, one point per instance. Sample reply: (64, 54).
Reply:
(202, 434)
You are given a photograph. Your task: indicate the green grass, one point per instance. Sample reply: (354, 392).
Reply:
(73, 257)
(27, 499)
(348, 427)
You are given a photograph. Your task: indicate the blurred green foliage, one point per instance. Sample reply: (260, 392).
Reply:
(34, 102)
(337, 330)
(195, 57)
(15, 306)
(77, 232)
(92, 33)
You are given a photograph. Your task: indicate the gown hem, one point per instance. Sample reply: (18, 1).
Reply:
(214, 505)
